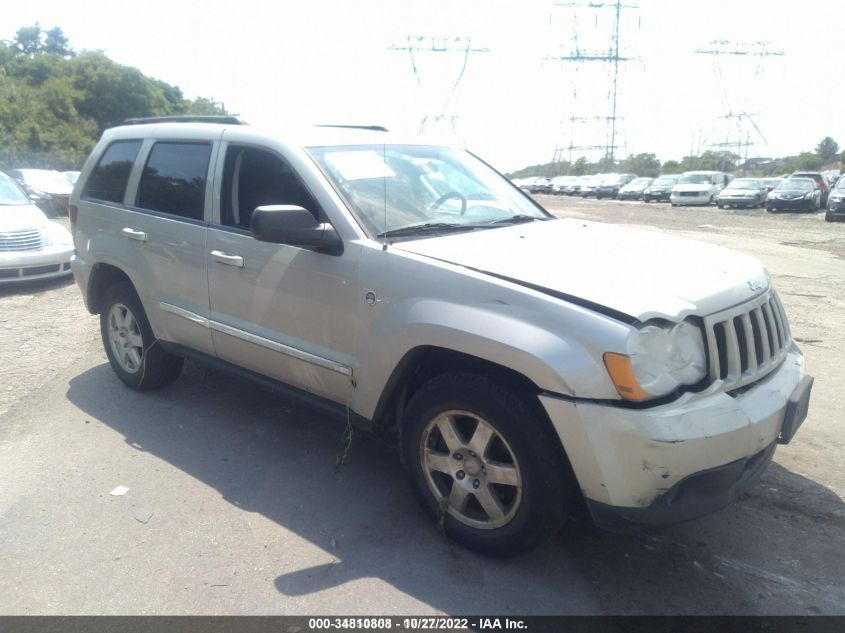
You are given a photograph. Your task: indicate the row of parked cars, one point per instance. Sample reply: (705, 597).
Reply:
(47, 188)
(800, 191)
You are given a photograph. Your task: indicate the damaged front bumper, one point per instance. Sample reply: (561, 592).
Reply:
(681, 460)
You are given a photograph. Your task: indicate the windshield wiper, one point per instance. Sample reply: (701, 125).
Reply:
(428, 227)
(519, 218)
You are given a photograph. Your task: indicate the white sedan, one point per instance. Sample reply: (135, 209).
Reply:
(31, 246)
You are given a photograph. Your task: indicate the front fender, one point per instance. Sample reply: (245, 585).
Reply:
(484, 331)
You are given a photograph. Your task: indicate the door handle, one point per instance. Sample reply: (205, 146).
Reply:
(229, 260)
(132, 234)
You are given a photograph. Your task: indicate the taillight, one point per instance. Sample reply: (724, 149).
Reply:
(72, 211)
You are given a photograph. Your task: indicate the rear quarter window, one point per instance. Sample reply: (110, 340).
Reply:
(108, 179)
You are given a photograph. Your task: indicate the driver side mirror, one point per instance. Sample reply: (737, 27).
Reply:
(295, 226)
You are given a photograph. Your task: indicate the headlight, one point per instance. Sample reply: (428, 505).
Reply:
(811, 194)
(57, 235)
(659, 359)
(646, 190)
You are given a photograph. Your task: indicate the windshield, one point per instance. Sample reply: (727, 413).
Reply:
(614, 179)
(796, 184)
(744, 183)
(666, 180)
(840, 184)
(10, 193)
(50, 181)
(397, 186)
(694, 179)
(640, 182)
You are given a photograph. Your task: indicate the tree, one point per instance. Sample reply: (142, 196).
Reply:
(580, 166)
(808, 161)
(56, 43)
(641, 164)
(827, 149)
(671, 167)
(28, 39)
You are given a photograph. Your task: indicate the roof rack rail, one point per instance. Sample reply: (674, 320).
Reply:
(373, 128)
(191, 118)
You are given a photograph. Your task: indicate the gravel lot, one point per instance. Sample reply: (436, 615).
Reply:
(234, 507)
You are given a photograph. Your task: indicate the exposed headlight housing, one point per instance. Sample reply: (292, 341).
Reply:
(659, 359)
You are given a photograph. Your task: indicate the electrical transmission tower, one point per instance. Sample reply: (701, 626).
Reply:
(738, 121)
(418, 45)
(574, 53)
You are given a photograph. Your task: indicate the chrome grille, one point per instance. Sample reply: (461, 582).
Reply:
(748, 341)
(25, 240)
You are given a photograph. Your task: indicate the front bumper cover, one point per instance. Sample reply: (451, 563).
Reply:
(680, 460)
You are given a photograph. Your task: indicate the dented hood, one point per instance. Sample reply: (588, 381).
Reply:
(643, 274)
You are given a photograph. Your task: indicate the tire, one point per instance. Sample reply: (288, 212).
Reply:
(540, 492)
(132, 349)
(720, 205)
(828, 216)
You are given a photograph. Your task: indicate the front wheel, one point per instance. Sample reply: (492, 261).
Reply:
(132, 349)
(485, 464)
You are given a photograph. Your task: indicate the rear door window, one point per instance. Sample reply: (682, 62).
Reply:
(108, 179)
(174, 179)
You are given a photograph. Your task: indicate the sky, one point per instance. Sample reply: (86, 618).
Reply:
(335, 61)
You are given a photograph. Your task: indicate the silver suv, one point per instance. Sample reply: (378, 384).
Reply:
(523, 362)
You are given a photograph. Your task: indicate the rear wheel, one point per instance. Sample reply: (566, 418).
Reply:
(828, 216)
(132, 349)
(485, 464)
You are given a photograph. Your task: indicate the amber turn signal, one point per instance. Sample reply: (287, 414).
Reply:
(622, 375)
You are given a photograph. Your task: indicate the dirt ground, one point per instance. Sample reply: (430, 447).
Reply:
(234, 507)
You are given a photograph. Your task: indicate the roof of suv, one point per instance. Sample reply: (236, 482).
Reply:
(302, 136)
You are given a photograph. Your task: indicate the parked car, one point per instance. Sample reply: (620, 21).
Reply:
(836, 202)
(574, 188)
(611, 184)
(72, 176)
(770, 183)
(410, 290)
(794, 194)
(821, 183)
(591, 184)
(49, 188)
(560, 184)
(634, 189)
(661, 188)
(536, 184)
(698, 187)
(742, 192)
(31, 246)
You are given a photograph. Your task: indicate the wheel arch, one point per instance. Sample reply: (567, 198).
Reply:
(102, 277)
(424, 362)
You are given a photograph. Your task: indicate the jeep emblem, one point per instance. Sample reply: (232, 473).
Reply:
(754, 284)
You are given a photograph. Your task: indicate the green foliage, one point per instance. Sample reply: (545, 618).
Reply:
(55, 103)
(827, 149)
(641, 164)
(671, 167)
(809, 161)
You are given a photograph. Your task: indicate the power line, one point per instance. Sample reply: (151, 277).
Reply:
(416, 44)
(610, 56)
